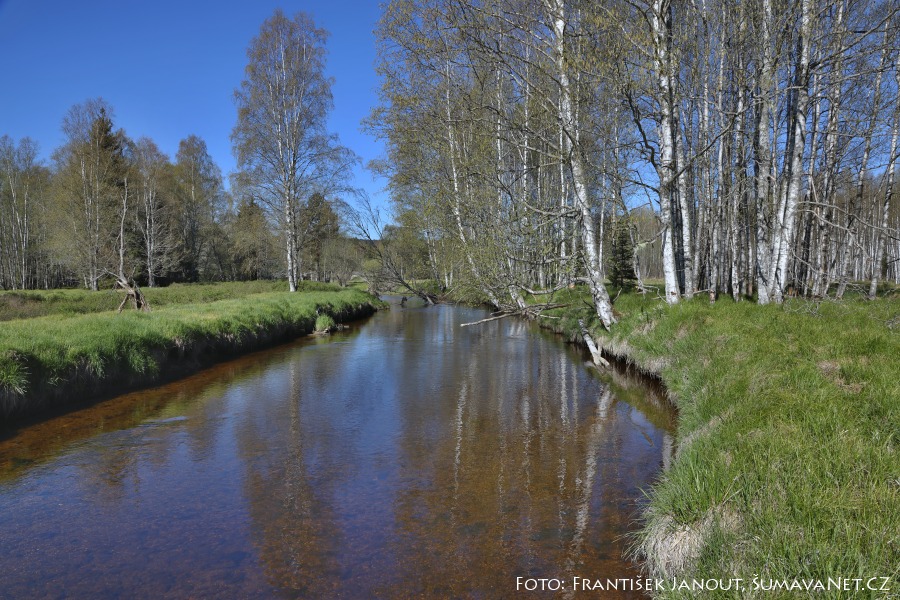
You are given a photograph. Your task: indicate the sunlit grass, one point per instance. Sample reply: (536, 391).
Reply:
(63, 350)
(38, 303)
(789, 425)
(324, 324)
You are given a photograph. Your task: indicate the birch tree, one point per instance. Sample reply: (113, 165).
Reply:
(504, 126)
(152, 214)
(573, 154)
(20, 186)
(89, 170)
(198, 198)
(281, 140)
(884, 214)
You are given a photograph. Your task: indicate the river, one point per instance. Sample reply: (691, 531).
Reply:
(405, 456)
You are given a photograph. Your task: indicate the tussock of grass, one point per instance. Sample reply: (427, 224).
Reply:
(61, 356)
(325, 324)
(788, 464)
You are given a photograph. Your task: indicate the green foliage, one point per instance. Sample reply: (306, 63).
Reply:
(89, 183)
(321, 224)
(341, 259)
(199, 197)
(253, 244)
(621, 259)
(788, 432)
(286, 83)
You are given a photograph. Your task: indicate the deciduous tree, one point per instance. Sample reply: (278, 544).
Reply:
(281, 140)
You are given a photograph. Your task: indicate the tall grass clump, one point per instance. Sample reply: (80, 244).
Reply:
(325, 324)
(787, 465)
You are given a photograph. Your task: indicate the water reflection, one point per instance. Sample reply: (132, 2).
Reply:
(407, 457)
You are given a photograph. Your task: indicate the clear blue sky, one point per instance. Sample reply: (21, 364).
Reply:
(169, 68)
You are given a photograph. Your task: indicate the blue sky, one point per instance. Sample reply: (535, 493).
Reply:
(169, 68)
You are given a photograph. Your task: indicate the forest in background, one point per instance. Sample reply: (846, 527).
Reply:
(743, 148)
(739, 148)
(108, 205)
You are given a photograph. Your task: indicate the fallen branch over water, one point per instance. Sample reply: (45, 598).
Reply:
(530, 312)
(592, 346)
(495, 318)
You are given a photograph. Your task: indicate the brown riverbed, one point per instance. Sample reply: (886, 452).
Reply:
(404, 457)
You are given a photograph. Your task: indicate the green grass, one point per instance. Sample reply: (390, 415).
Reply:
(63, 354)
(788, 463)
(324, 324)
(39, 303)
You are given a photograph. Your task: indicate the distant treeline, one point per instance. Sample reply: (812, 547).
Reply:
(106, 203)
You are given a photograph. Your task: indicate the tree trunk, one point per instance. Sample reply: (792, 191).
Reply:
(786, 214)
(856, 204)
(571, 150)
(291, 245)
(888, 192)
(765, 107)
(661, 26)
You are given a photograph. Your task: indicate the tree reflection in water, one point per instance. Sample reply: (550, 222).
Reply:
(408, 457)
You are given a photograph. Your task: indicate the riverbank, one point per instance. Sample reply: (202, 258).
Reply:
(52, 361)
(27, 304)
(787, 464)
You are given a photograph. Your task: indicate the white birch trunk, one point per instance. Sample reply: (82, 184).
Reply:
(765, 163)
(592, 256)
(289, 240)
(889, 190)
(797, 143)
(687, 244)
(810, 176)
(736, 196)
(660, 24)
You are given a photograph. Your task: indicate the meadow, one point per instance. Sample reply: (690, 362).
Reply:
(27, 304)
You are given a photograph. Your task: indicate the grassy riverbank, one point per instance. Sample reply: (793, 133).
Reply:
(27, 304)
(788, 464)
(62, 357)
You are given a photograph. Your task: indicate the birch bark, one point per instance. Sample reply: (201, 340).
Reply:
(572, 153)
(661, 25)
(794, 159)
(888, 193)
(765, 106)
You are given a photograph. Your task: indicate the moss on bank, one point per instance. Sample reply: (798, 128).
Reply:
(54, 360)
(787, 465)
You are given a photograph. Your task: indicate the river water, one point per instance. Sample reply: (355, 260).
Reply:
(407, 456)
